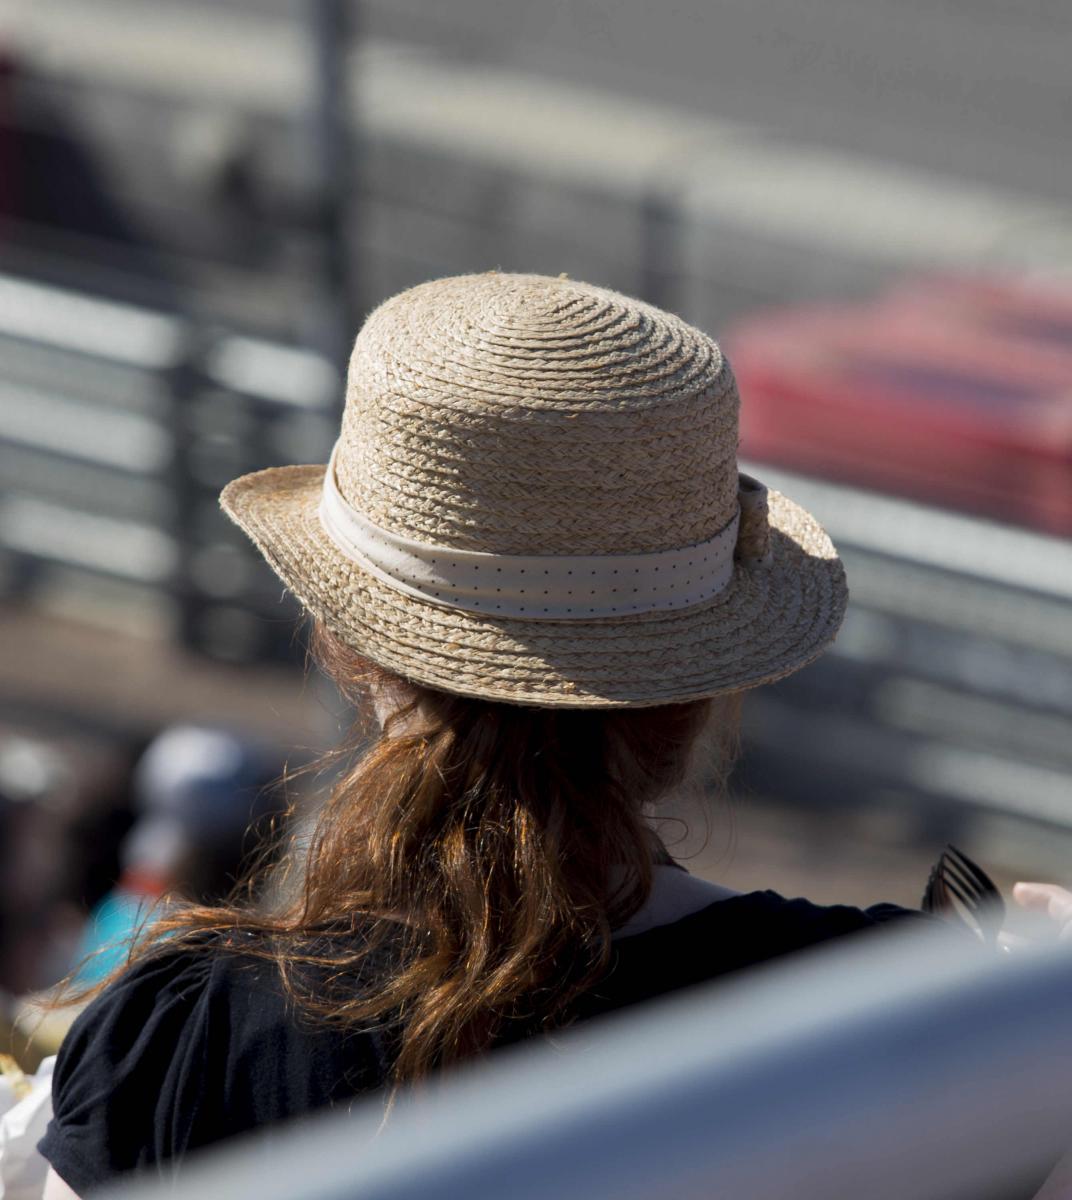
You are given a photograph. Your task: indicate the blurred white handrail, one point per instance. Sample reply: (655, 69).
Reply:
(931, 536)
(155, 341)
(900, 1066)
(106, 329)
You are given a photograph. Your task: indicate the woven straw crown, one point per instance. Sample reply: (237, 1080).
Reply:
(520, 415)
(525, 415)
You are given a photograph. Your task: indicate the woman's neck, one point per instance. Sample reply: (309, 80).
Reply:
(674, 894)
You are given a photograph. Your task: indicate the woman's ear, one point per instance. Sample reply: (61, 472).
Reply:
(389, 699)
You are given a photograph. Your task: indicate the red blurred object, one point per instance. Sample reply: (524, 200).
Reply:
(953, 391)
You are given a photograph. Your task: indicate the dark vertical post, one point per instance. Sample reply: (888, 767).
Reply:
(660, 249)
(332, 142)
(185, 381)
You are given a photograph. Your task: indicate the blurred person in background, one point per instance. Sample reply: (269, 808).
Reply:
(64, 807)
(204, 801)
(63, 814)
(533, 557)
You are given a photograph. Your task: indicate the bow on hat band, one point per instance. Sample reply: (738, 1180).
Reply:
(753, 536)
(550, 587)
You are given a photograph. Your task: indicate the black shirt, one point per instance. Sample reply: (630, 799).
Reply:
(192, 1046)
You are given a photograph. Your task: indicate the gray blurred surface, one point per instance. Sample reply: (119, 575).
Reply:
(710, 159)
(898, 1068)
(61, 672)
(975, 89)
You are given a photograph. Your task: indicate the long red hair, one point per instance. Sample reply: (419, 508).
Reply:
(467, 870)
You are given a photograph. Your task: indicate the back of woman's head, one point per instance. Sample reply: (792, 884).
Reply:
(534, 521)
(533, 517)
(465, 874)
(493, 847)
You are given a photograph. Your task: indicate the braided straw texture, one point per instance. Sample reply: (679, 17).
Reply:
(519, 414)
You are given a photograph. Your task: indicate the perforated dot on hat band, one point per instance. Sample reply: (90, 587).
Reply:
(453, 577)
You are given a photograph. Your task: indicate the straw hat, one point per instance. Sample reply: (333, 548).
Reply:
(535, 498)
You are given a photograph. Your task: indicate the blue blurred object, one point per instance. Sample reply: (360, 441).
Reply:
(110, 931)
(201, 793)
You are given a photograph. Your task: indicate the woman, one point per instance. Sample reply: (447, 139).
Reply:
(533, 551)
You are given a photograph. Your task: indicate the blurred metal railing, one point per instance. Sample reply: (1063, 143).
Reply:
(896, 1068)
(952, 679)
(118, 427)
(950, 682)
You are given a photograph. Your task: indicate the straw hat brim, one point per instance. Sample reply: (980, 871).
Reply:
(770, 620)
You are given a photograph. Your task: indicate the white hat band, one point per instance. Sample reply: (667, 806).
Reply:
(536, 587)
